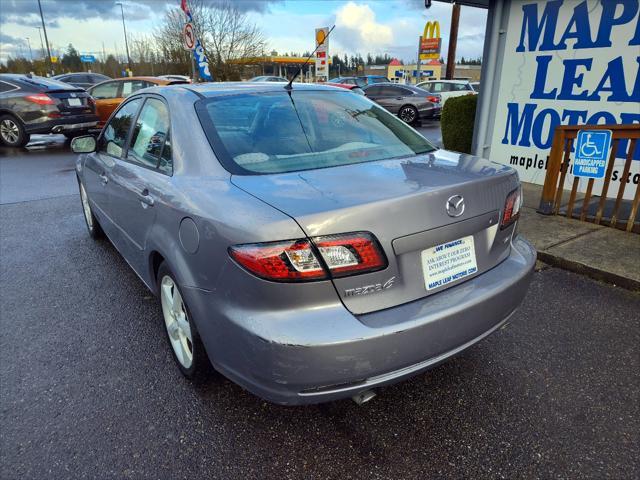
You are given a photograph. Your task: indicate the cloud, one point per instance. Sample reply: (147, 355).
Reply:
(26, 13)
(357, 28)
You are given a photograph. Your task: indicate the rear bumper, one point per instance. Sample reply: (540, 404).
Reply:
(430, 112)
(326, 354)
(61, 125)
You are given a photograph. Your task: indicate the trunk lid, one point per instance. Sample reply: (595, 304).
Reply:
(403, 203)
(74, 101)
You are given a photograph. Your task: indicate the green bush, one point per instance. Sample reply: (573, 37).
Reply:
(458, 116)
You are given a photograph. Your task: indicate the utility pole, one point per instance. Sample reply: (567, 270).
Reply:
(46, 39)
(453, 41)
(124, 27)
(30, 52)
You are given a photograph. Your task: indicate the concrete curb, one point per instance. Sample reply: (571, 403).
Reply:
(589, 271)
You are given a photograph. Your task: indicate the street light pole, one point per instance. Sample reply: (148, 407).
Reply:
(30, 52)
(41, 41)
(124, 27)
(49, 66)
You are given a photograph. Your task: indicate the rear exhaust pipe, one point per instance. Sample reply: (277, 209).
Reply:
(363, 397)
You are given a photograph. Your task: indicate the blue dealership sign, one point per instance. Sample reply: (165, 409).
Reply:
(592, 150)
(87, 58)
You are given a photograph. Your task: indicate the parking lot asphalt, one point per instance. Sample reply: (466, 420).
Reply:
(89, 388)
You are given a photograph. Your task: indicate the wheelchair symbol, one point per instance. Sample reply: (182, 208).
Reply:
(588, 149)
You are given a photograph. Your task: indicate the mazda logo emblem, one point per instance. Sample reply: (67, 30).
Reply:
(455, 206)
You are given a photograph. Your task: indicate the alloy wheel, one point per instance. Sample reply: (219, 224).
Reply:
(176, 321)
(9, 131)
(408, 114)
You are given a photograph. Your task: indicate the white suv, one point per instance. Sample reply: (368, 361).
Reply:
(448, 88)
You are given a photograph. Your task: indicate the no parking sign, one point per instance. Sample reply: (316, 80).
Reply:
(189, 36)
(592, 150)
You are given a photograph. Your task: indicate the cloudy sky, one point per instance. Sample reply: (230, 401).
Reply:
(374, 26)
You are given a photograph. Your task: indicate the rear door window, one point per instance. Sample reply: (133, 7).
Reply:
(149, 134)
(459, 87)
(131, 86)
(390, 91)
(116, 131)
(106, 90)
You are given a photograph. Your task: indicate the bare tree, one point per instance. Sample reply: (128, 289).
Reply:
(230, 36)
(226, 35)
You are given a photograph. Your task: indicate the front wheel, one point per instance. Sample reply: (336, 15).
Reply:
(95, 231)
(408, 114)
(187, 349)
(12, 132)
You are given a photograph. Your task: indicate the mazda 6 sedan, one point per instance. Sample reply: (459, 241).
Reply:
(306, 242)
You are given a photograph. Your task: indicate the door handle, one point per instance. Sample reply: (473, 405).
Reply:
(104, 179)
(146, 198)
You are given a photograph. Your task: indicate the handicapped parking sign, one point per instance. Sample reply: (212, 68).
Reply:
(591, 152)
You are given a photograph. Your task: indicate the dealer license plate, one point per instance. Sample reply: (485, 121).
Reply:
(448, 263)
(74, 102)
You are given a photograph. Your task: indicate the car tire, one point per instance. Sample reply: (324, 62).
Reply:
(183, 338)
(93, 227)
(12, 132)
(408, 114)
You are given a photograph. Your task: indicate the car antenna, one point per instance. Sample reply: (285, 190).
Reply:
(289, 86)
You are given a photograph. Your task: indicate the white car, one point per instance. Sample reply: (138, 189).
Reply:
(448, 88)
(181, 78)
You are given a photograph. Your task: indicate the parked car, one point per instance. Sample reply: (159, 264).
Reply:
(108, 95)
(267, 78)
(348, 86)
(179, 78)
(31, 104)
(82, 79)
(475, 86)
(408, 102)
(447, 88)
(307, 259)
(369, 79)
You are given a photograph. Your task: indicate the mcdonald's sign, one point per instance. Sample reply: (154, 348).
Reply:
(430, 41)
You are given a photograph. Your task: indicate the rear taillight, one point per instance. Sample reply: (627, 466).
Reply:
(318, 259)
(350, 253)
(433, 99)
(40, 99)
(511, 210)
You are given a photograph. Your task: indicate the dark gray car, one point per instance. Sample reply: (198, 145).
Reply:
(308, 243)
(30, 104)
(82, 79)
(408, 102)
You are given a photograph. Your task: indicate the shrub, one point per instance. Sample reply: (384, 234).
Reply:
(458, 116)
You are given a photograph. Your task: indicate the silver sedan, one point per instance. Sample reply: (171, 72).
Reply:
(306, 242)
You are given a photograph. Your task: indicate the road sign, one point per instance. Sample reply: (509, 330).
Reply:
(322, 53)
(87, 58)
(189, 36)
(591, 153)
(54, 59)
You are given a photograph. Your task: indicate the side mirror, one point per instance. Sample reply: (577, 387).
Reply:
(84, 144)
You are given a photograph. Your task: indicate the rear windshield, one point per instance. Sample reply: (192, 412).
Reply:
(47, 83)
(276, 133)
